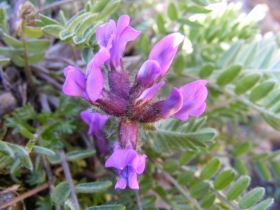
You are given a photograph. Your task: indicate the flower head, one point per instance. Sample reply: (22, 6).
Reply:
(135, 102)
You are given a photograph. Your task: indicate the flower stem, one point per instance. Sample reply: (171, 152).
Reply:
(25, 54)
(138, 200)
(68, 177)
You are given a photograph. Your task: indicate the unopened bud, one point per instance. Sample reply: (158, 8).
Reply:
(28, 13)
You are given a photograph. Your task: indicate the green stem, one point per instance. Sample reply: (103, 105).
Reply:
(25, 53)
(182, 190)
(239, 98)
(138, 200)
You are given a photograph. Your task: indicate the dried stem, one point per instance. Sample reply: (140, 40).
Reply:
(25, 195)
(68, 177)
(27, 68)
(50, 177)
(57, 4)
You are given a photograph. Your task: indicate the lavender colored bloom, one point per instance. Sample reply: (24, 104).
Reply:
(133, 103)
(194, 96)
(75, 83)
(164, 51)
(96, 123)
(148, 73)
(90, 86)
(128, 164)
(149, 93)
(115, 37)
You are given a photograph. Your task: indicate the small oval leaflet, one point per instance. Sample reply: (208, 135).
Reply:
(106, 207)
(60, 193)
(261, 90)
(224, 179)
(263, 205)
(206, 70)
(199, 189)
(210, 169)
(246, 83)
(92, 187)
(208, 200)
(229, 75)
(79, 154)
(251, 198)
(239, 186)
(241, 149)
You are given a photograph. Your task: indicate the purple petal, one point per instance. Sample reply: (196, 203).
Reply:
(121, 183)
(99, 120)
(198, 111)
(99, 58)
(123, 34)
(172, 104)
(104, 34)
(148, 73)
(95, 81)
(194, 94)
(95, 84)
(164, 51)
(149, 93)
(94, 120)
(132, 179)
(86, 116)
(75, 82)
(122, 158)
(141, 164)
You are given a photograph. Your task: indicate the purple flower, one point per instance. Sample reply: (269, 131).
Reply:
(96, 123)
(128, 163)
(164, 51)
(90, 86)
(115, 37)
(132, 103)
(194, 96)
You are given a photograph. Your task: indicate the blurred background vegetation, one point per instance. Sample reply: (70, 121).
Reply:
(228, 158)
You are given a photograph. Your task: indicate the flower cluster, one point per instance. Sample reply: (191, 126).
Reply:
(131, 103)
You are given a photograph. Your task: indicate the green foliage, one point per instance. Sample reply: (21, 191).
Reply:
(224, 179)
(174, 135)
(210, 169)
(80, 29)
(30, 49)
(107, 207)
(60, 193)
(79, 154)
(199, 189)
(251, 198)
(239, 186)
(92, 187)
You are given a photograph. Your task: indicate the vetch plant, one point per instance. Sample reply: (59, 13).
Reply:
(225, 158)
(131, 103)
